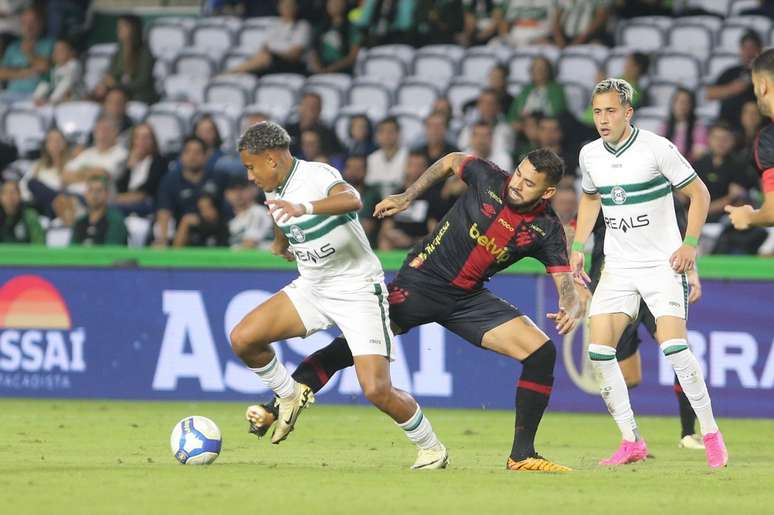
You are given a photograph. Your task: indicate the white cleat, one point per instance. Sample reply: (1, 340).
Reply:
(434, 458)
(691, 442)
(289, 410)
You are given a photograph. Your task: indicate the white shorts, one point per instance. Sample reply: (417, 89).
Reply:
(619, 291)
(362, 314)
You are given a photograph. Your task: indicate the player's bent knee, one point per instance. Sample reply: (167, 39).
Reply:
(243, 341)
(377, 392)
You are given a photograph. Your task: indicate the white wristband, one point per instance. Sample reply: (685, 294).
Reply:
(308, 207)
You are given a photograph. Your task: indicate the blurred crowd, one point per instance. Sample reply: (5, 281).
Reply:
(116, 186)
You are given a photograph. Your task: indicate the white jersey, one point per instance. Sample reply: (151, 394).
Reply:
(635, 183)
(329, 249)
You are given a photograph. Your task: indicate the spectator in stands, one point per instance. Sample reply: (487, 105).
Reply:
(66, 78)
(565, 204)
(18, 222)
(10, 21)
(682, 128)
(286, 42)
(488, 110)
(311, 150)
(107, 158)
(527, 138)
(251, 227)
(251, 118)
(408, 227)
(751, 121)
(336, 42)
(734, 86)
(26, 61)
(354, 173)
(44, 180)
(525, 22)
(361, 136)
(479, 25)
(579, 22)
(309, 117)
(437, 22)
(145, 167)
(765, 8)
(132, 65)
(436, 145)
(550, 135)
(181, 188)
(207, 227)
(498, 81)
(386, 21)
(481, 145)
(66, 18)
(207, 130)
(387, 165)
(101, 224)
(634, 8)
(543, 94)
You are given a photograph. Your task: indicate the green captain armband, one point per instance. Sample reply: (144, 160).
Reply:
(578, 246)
(691, 241)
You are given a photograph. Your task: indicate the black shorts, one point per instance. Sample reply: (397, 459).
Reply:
(469, 315)
(630, 340)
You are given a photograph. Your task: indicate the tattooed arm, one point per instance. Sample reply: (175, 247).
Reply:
(440, 170)
(571, 305)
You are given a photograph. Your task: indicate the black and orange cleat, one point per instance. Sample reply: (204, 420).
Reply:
(535, 463)
(261, 417)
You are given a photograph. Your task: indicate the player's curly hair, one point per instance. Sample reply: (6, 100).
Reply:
(263, 136)
(620, 86)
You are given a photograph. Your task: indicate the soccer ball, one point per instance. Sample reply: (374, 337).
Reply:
(195, 441)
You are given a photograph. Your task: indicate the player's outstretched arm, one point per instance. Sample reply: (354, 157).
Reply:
(571, 305)
(440, 170)
(342, 198)
(744, 217)
(684, 258)
(588, 210)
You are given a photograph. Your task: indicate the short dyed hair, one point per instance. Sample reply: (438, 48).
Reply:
(548, 162)
(621, 87)
(263, 136)
(764, 63)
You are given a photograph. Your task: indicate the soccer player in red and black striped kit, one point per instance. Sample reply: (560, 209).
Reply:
(744, 217)
(501, 218)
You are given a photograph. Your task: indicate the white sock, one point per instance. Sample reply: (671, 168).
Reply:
(691, 379)
(275, 376)
(614, 390)
(419, 430)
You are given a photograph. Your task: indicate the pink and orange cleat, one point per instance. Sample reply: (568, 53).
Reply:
(717, 455)
(628, 452)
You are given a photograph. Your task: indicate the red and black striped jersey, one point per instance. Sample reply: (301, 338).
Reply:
(764, 157)
(482, 235)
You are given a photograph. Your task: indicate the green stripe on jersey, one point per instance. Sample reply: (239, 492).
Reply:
(623, 148)
(601, 357)
(607, 200)
(637, 186)
(307, 224)
(281, 187)
(686, 182)
(320, 230)
(685, 295)
(380, 299)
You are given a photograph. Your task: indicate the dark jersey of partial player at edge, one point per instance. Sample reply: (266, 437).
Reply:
(481, 235)
(763, 153)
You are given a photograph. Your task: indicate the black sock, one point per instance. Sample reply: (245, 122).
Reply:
(687, 415)
(532, 393)
(318, 368)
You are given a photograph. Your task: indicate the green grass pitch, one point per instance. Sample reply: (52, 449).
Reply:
(109, 457)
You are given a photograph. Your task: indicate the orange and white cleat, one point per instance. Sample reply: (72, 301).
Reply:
(536, 463)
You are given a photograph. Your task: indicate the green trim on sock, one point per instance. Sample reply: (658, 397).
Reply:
(416, 424)
(601, 357)
(674, 349)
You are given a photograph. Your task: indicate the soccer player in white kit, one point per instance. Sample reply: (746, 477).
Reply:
(340, 283)
(631, 172)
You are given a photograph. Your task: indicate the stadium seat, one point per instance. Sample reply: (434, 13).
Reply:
(165, 36)
(677, 67)
(454, 52)
(169, 129)
(718, 62)
(737, 6)
(649, 123)
(412, 125)
(577, 68)
(515, 87)
(194, 63)
(690, 38)
(720, 7)
(760, 24)
(660, 91)
(616, 60)
(436, 66)
(417, 93)
(227, 93)
(385, 67)
(136, 110)
(461, 91)
(138, 229)
(578, 96)
(661, 111)
(477, 62)
(641, 36)
(519, 66)
(345, 114)
(271, 93)
(213, 37)
(332, 96)
(598, 52)
(235, 57)
(276, 113)
(160, 70)
(294, 81)
(76, 119)
(342, 81)
(371, 94)
(252, 37)
(26, 127)
(260, 21)
(184, 88)
(713, 23)
(403, 52)
(233, 23)
(663, 22)
(98, 57)
(729, 35)
(708, 112)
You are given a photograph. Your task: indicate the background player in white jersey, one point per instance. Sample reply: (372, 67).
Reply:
(341, 283)
(631, 173)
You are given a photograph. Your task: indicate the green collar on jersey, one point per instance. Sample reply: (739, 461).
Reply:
(625, 146)
(293, 167)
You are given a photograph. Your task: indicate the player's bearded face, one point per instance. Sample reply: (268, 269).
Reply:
(527, 186)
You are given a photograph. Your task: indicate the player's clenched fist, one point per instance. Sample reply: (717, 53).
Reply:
(282, 210)
(392, 205)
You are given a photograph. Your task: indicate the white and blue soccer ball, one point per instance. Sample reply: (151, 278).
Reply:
(195, 441)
